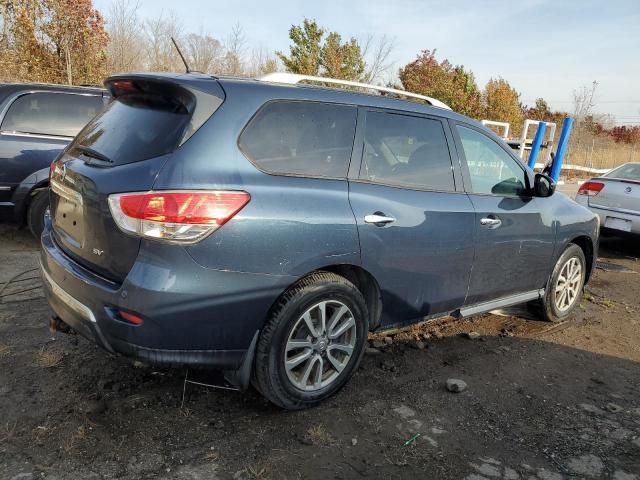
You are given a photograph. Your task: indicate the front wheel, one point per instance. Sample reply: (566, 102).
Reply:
(312, 342)
(564, 288)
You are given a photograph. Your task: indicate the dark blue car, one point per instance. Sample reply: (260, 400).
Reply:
(264, 227)
(36, 123)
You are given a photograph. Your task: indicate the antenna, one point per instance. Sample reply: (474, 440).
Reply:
(181, 56)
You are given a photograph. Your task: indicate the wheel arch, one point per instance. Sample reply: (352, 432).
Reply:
(25, 192)
(364, 281)
(586, 245)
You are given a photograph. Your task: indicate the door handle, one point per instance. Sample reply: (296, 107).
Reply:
(378, 219)
(490, 222)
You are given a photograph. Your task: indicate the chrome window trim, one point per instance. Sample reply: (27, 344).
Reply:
(35, 135)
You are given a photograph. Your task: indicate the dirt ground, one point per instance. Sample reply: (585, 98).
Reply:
(543, 401)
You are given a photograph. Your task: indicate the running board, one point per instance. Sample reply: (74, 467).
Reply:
(499, 303)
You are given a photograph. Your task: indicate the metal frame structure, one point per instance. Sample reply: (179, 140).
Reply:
(504, 125)
(293, 79)
(550, 138)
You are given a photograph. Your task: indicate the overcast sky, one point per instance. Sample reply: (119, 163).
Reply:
(544, 48)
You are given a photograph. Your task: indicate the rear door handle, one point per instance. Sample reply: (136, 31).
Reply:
(490, 222)
(378, 219)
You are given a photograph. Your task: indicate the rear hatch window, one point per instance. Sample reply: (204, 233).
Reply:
(146, 119)
(134, 128)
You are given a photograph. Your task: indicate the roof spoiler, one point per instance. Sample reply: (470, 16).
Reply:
(186, 98)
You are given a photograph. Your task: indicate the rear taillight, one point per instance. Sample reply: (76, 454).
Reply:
(590, 189)
(180, 216)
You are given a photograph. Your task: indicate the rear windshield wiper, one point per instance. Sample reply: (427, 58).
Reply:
(90, 152)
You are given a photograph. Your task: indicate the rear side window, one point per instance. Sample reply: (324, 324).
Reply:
(301, 138)
(134, 127)
(59, 114)
(406, 151)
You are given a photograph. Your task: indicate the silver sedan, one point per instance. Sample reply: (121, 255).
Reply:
(615, 197)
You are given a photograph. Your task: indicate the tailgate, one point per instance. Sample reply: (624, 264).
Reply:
(82, 224)
(122, 150)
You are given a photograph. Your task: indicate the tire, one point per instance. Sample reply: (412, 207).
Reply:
(554, 308)
(35, 215)
(289, 388)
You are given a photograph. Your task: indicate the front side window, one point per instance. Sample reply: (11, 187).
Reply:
(59, 114)
(301, 138)
(406, 151)
(492, 170)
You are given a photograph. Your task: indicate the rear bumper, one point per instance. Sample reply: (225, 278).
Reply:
(192, 315)
(632, 220)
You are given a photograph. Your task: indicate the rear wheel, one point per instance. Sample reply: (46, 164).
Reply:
(312, 342)
(564, 289)
(35, 215)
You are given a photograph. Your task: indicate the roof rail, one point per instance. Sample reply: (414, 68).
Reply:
(293, 78)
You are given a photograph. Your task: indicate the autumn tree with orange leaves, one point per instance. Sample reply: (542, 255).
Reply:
(452, 84)
(55, 41)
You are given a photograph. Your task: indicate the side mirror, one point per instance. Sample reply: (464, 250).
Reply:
(543, 185)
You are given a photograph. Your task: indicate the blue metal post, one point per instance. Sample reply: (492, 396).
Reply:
(537, 142)
(562, 148)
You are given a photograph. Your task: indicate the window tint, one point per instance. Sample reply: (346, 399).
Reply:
(51, 113)
(406, 151)
(135, 127)
(492, 170)
(303, 138)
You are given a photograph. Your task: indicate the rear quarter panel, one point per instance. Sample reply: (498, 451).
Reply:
(291, 226)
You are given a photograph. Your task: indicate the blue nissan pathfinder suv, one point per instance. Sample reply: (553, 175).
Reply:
(264, 227)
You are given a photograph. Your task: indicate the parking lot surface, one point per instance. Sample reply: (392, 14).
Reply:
(542, 401)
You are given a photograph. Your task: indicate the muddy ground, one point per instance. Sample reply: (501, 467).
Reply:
(543, 401)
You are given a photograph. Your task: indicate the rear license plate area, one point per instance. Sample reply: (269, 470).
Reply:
(69, 220)
(618, 224)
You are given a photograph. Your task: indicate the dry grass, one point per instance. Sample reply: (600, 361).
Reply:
(72, 442)
(212, 456)
(39, 433)
(602, 154)
(7, 432)
(319, 436)
(258, 472)
(48, 358)
(5, 350)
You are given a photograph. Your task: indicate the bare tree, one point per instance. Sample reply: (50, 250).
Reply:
(583, 101)
(126, 46)
(205, 53)
(376, 51)
(160, 51)
(261, 62)
(235, 47)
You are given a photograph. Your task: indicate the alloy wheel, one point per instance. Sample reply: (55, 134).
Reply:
(568, 284)
(320, 345)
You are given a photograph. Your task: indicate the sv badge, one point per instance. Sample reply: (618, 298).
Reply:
(97, 251)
